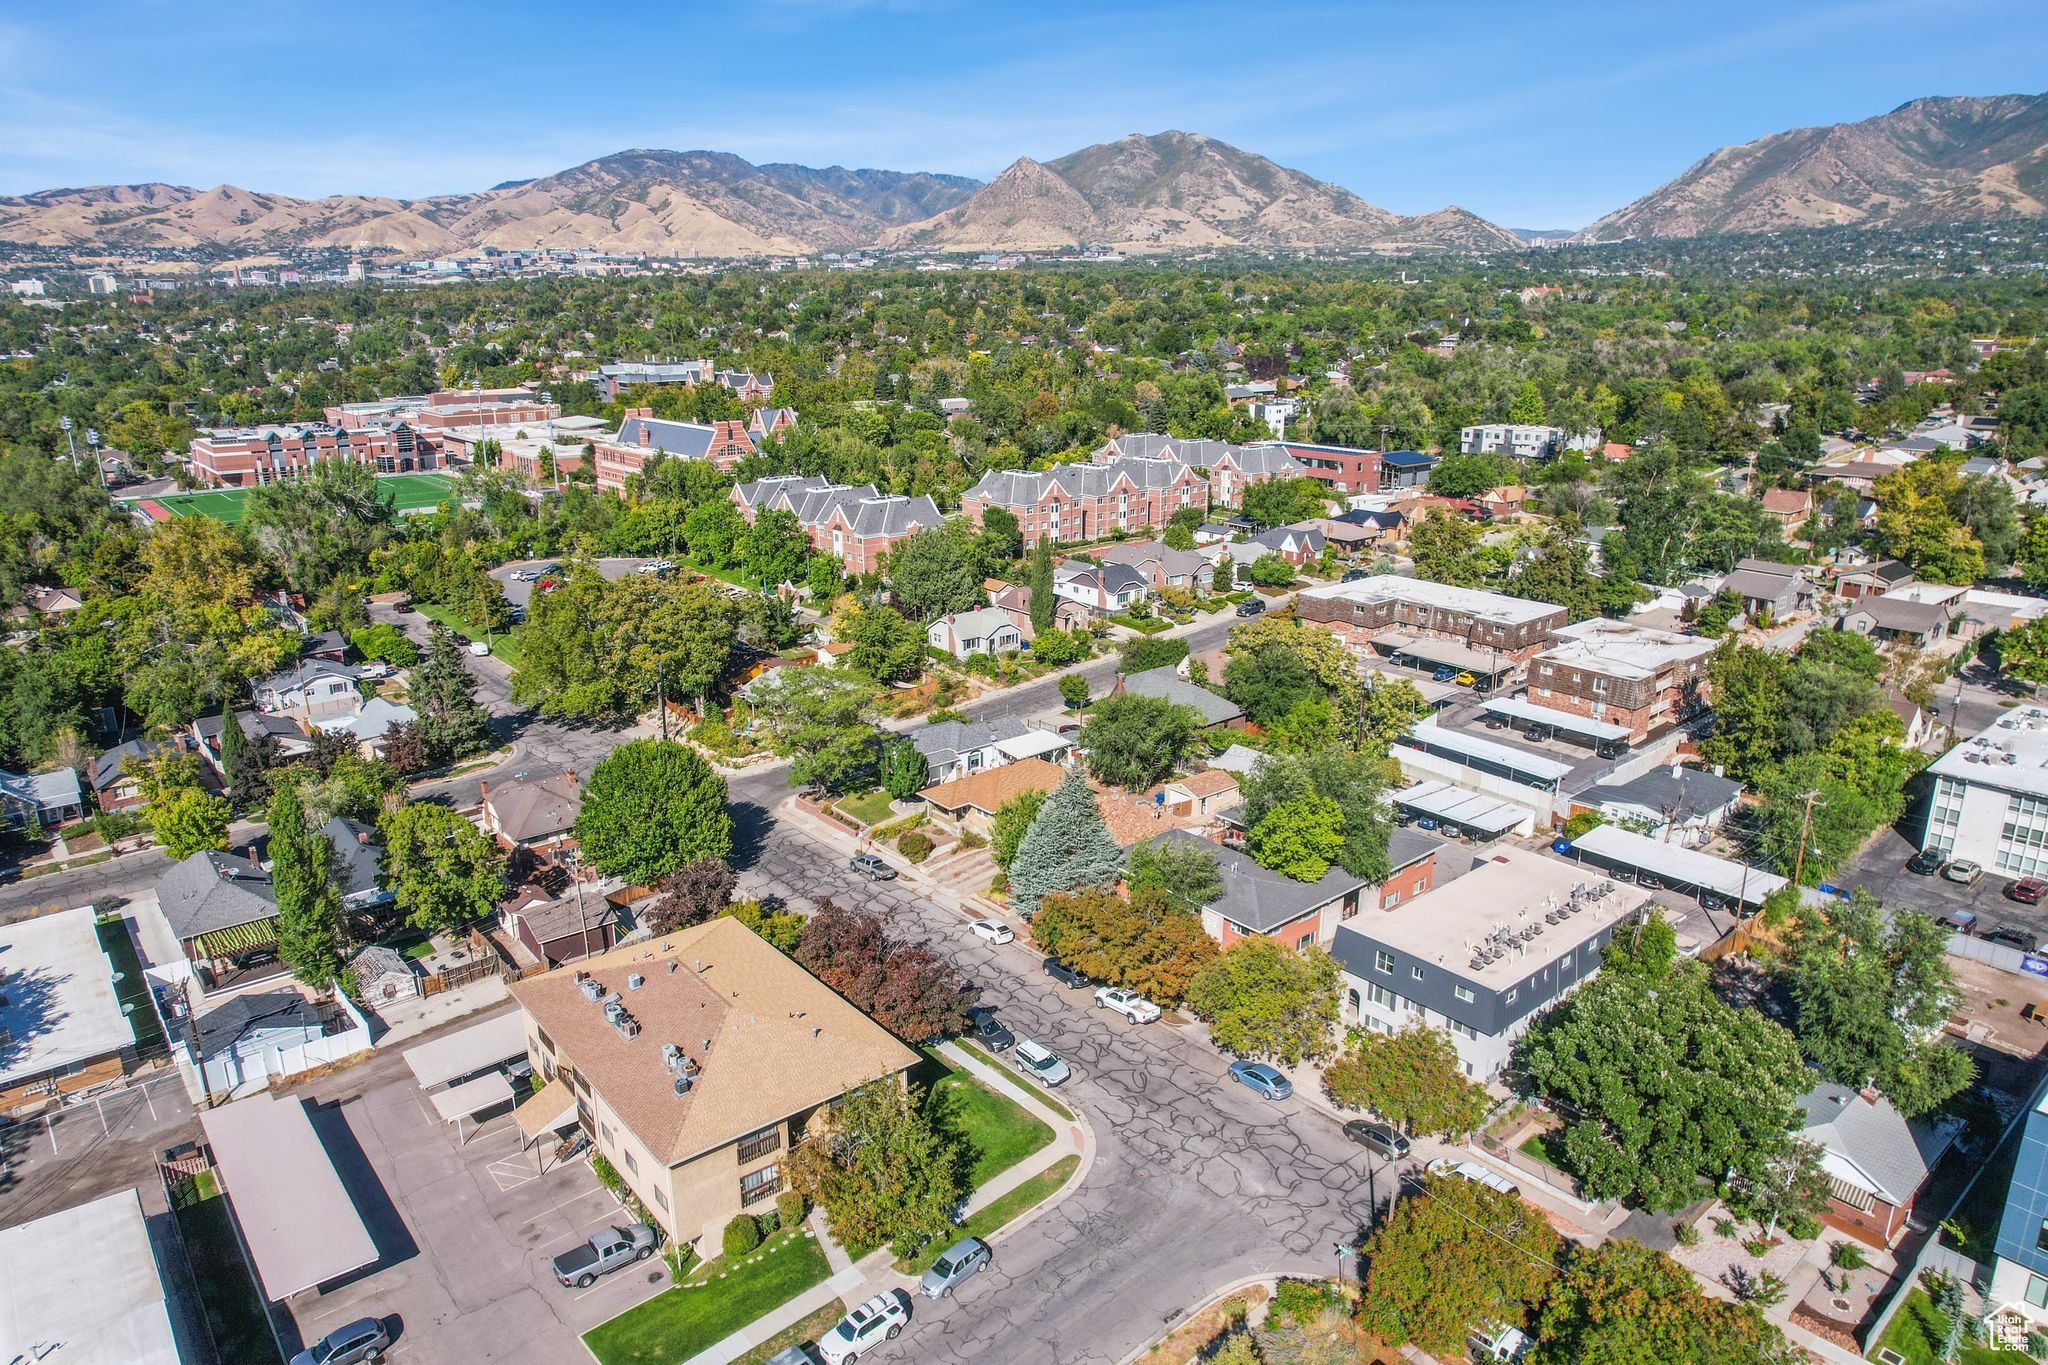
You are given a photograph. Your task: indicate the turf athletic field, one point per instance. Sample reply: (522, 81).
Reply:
(409, 492)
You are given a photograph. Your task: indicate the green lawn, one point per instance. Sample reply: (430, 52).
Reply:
(677, 1324)
(408, 493)
(998, 1212)
(234, 1309)
(1001, 1132)
(1547, 1148)
(806, 1331)
(1010, 1076)
(132, 989)
(870, 808)
(1916, 1332)
(501, 641)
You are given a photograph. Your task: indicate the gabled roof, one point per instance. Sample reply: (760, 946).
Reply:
(993, 788)
(1904, 613)
(1167, 683)
(691, 440)
(123, 760)
(241, 1015)
(305, 672)
(1868, 1141)
(1111, 578)
(980, 624)
(211, 891)
(1259, 899)
(355, 849)
(535, 808)
(942, 743)
(41, 791)
(1690, 793)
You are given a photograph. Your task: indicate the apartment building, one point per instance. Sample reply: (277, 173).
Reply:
(1481, 955)
(249, 457)
(643, 436)
(1636, 677)
(1089, 501)
(853, 523)
(611, 381)
(694, 1061)
(1990, 799)
(1346, 469)
(1522, 442)
(1231, 468)
(1399, 615)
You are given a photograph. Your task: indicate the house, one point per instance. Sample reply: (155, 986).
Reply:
(1616, 451)
(218, 905)
(1620, 673)
(369, 725)
(1876, 1160)
(1237, 759)
(971, 802)
(249, 1034)
(1104, 589)
(1887, 618)
(383, 976)
(1879, 576)
(116, 775)
(1461, 627)
(47, 603)
(1507, 500)
(1346, 469)
(1920, 727)
(958, 748)
(1788, 508)
(324, 644)
(1466, 957)
(742, 1047)
(559, 929)
(964, 634)
(1348, 536)
(1214, 709)
(63, 1023)
(533, 815)
(1770, 591)
(358, 870)
(1162, 566)
(1298, 545)
(46, 799)
(284, 738)
(1257, 902)
(102, 1301)
(853, 523)
(1678, 805)
(1209, 792)
(1015, 599)
(1405, 469)
(309, 691)
(767, 422)
(1089, 501)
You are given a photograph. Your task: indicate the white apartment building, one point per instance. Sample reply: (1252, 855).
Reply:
(1990, 801)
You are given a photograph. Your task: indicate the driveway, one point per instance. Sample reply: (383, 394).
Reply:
(1880, 869)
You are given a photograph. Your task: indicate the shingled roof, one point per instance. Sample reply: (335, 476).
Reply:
(212, 891)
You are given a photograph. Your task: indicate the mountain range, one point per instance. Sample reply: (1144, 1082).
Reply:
(1931, 161)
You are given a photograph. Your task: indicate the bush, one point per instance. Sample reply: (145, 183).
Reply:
(1686, 1234)
(742, 1235)
(1139, 656)
(1303, 1300)
(969, 839)
(607, 1174)
(1586, 820)
(1847, 1256)
(789, 1207)
(916, 845)
(681, 1260)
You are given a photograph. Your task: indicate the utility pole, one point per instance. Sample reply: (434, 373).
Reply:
(1805, 823)
(661, 693)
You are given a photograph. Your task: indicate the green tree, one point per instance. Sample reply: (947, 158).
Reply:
(650, 806)
(929, 574)
(880, 1169)
(1411, 1078)
(1142, 943)
(775, 548)
(1178, 537)
(1182, 870)
(886, 646)
(1750, 702)
(1560, 572)
(1282, 502)
(1074, 691)
(185, 821)
(1444, 547)
(904, 769)
(1040, 585)
(1011, 824)
(714, 532)
(1262, 1000)
(1388, 709)
(823, 721)
(1133, 741)
(1459, 1256)
(443, 695)
(1269, 570)
(241, 764)
(1468, 476)
(599, 648)
(443, 870)
(1299, 838)
(1620, 1303)
(1147, 652)
(1067, 845)
(1527, 409)
(1353, 781)
(321, 527)
(2023, 650)
(308, 902)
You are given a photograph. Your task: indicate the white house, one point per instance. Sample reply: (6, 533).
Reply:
(310, 690)
(961, 634)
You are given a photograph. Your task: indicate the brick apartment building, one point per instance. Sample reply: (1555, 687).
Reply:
(246, 457)
(1403, 611)
(1088, 501)
(853, 523)
(1231, 468)
(642, 436)
(1642, 679)
(1347, 470)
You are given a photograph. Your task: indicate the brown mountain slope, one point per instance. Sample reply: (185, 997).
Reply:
(1938, 160)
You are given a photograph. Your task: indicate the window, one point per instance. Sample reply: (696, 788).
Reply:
(760, 1143)
(632, 1163)
(1415, 972)
(2037, 1291)
(2041, 1237)
(1383, 960)
(1382, 997)
(1388, 902)
(604, 1134)
(660, 1199)
(759, 1185)
(1513, 991)
(1464, 993)
(1463, 1030)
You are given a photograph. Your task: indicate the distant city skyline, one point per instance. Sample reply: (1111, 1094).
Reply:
(1533, 117)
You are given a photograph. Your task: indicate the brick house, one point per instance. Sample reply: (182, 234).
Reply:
(533, 816)
(1257, 902)
(854, 524)
(1642, 679)
(767, 422)
(1876, 1160)
(1089, 501)
(1399, 611)
(1789, 508)
(642, 436)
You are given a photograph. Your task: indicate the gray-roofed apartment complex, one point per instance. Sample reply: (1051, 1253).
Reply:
(853, 523)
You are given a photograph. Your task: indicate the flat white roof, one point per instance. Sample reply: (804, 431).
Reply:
(1427, 731)
(1488, 814)
(1520, 709)
(2011, 753)
(82, 1287)
(1621, 649)
(57, 1001)
(301, 1227)
(1489, 606)
(460, 1101)
(468, 1051)
(1034, 744)
(1676, 863)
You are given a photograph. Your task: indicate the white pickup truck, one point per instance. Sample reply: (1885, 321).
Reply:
(1129, 1004)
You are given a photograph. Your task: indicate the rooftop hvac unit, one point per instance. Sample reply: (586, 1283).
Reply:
(682, 1086)
(627, 1025)
(671, 1056)
(634, 981)
(592, 991)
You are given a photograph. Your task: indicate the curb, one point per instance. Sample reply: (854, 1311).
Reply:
(1204, 1306)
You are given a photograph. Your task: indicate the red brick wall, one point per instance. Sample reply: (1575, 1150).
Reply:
(1408, 883)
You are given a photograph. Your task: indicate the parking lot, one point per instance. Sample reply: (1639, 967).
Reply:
(465, 1233)
(1880, 869)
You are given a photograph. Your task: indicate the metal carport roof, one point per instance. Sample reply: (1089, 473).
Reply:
(1516, 708)
(1486, 814)
(1532, 769)
(468, 1051)
(1446, 652)
(1677, 864)
(297, 1220)
(459, 1102)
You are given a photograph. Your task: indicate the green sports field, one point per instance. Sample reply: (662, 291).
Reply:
(408, 492)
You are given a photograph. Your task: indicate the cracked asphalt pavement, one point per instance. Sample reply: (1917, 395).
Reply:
(1195, 1182)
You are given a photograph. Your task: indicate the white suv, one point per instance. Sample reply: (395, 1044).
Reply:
(1129, 1004)
(880, 1319)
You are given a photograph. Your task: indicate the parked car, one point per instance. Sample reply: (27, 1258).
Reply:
(479, 648)
(1473, 1171)
(603, 1253)
(872, 867)
(1537, 734)
(1711, 902)
(1128, 1003)
(1925, 863)
(362, 1340)
(993, 930)
(1041, 1063)
(955, 1264)
(1062, 973)
(984, 1028)
(1622, 874)
(1959, 922)
(1963, 872)
(1354, 575)
(1466, 679)
(2027, 890)
(1444, 674)
(1261, 1079)
(2013, 938)
(1377, 1137)
(1253, 606)
(881, 1318)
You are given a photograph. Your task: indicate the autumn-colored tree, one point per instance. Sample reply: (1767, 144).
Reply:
(1142, 943)
(1411, 1078)
(1454, 1257)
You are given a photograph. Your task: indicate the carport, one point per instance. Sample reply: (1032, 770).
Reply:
(463, 1102)
(1444, 654)
(547, 1110)
(298, 1223)
(1485, 756)
(1612, 846)
(469, 1051)
(1529, 713)
(1484, 815)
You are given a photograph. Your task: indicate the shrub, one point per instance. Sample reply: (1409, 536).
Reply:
(742, 1235)
(607, 1174)
(1687, 1234)
(789, 1207)
(916, 845)
(681, 1260)
(1847, 1256)
(970, 839)
(1302, 1300)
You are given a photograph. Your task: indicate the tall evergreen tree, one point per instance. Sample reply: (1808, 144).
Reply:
(308, 902)
(241, 762)
(1068, 845)
(454, 722)
(1041, 585)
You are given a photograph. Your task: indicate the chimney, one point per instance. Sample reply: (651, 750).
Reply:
(254, 861)
(1118, 690)
(363, 838)
(483, 790)
(1676, 768)
(1868, 1094)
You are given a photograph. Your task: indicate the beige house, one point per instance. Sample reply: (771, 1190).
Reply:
(972, 802)
(694, 1061)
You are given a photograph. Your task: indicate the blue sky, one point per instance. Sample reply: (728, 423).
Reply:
(1533, 115)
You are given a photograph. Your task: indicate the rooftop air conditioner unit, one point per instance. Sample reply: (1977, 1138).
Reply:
(592, 991)
(634, 981)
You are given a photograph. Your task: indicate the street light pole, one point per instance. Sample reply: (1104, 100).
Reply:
(64, 425)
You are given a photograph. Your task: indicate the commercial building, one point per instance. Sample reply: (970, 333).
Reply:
(249, 457)
(83, 1287)
(1481, 955)
(65, 1028)
(695, 1060)
(1346, 469)
(611, 381)
(1990, 799)
(1457, 627)
(2019, 1266)
(1640, 679)
(1089, 501)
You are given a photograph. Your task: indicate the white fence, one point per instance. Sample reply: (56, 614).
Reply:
(2006, 959)
(231, 1071)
